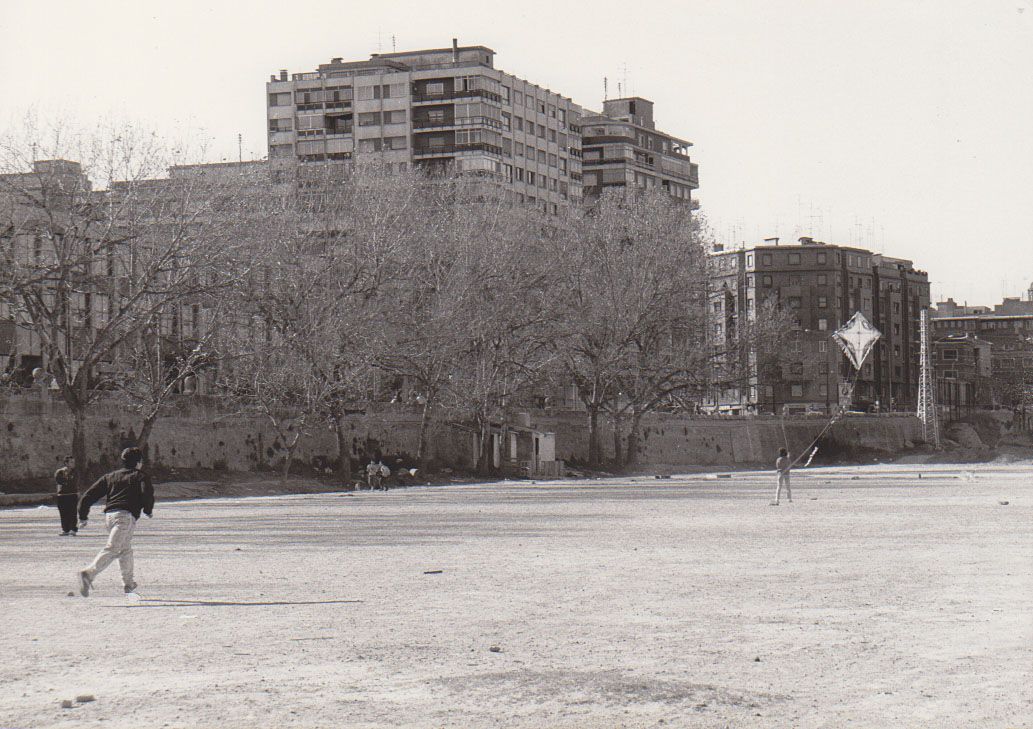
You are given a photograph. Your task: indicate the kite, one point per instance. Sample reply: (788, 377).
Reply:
(857, 338)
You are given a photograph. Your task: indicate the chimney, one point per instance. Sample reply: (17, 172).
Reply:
(455, 50)
(772, 241)
(283, 74)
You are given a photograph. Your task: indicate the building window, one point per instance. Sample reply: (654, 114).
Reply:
(394, 117)
(765, 259)
(394, 143)
(794, 259)
(794, 302)
(541, 131)
(765, 281)
(796, 368)
(369, 145)
(749, 260)
(369, 119)
(823, 302)
(821, 258)
(823, 346)
(796, 389)
(823, 325)
(823, 279)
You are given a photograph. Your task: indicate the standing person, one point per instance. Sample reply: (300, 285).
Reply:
(783, 466)
(128, 491)
(375, 474)
(67, 499)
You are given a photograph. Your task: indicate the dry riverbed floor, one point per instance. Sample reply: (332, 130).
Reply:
(875, 599)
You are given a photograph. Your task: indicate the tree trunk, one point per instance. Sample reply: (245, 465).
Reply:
(485, 461)
(79, 447)
(594, 447)
(631, 451)
(289, 458)
(618, 444)
(421, 448)
(145, 431)
(344, 461)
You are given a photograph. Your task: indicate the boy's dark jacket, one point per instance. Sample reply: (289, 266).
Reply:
(126, 489)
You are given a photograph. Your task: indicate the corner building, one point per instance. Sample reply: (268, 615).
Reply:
(822, 286)
(623, 148)
(445, 110)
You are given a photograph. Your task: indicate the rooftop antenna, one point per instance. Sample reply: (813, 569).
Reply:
(619, 96)
(394, 46)
(240, 148)
(605, 92)
(625, 77)
(380, 42)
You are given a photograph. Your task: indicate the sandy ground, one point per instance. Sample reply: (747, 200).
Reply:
(876, 599)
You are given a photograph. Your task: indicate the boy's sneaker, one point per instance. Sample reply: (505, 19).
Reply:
(773, 503)
(65, 534)
(131, 593)
(85, 583)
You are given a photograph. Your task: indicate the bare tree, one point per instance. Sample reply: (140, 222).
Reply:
(327, 251)
(84, 270)
(634, 334)
(504, 271)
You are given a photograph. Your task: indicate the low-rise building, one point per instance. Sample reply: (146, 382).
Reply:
(963, 369)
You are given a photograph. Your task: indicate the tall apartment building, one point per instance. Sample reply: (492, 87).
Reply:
(446, 109)
(622, 147)
(822, 285)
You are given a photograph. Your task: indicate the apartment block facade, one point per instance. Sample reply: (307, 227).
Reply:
(822, 286)
(447, 110)
(451, 110)
(622, 147)
(1008, 329)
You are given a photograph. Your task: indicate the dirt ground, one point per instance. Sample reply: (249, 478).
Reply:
(875, 599)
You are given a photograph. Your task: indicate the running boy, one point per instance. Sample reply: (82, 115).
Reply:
(783, 466)
(128, 491)
(67, 499)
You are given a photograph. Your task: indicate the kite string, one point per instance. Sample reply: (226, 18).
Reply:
(828, 426)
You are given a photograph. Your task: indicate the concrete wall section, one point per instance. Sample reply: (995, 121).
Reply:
(678, 440)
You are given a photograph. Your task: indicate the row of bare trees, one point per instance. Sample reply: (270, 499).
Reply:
(289, 299)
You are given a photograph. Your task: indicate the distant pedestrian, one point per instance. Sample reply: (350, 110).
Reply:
(377, 474)
(128, 492)
(783, 466)
(67, 498)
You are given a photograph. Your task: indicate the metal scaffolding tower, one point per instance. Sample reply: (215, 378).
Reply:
(927, 386)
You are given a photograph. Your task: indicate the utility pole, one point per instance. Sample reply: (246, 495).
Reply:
(927, 386)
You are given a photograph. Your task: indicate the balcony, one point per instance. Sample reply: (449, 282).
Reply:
(450, 149)
(458, 123)
(421, 98)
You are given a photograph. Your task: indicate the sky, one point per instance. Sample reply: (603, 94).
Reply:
(903, 126)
